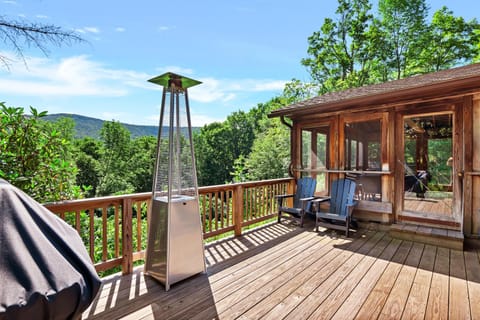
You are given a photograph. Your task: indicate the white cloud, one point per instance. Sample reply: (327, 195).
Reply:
(68, 82)
(270, 85)
(120, 29)
(199, 120)
(9, 2)
(84, 30)
(73, 76)
(164, 28)
(225, 90)
(41, 16)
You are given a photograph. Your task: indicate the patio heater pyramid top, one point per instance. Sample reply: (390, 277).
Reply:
(170, 79)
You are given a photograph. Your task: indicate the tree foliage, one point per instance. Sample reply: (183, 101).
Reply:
(403, 25)
(114, 173)
(449, 41)
(359, 48)
(270, 155)
(35, 156)
(340, 55)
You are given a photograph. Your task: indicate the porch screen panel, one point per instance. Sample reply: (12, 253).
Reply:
(362, 153)
(428, 165)
(315, 155)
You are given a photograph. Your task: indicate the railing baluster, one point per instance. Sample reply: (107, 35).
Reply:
(210, 209)
(139, 225)
(221, 209)
(203, 213)
(91, 212)
(216, 211)
(78, 222)
(104, 233)
(117, 232)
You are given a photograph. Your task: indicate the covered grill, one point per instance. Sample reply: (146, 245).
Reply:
(45, 271)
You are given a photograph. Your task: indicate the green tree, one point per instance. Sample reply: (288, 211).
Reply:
(213, 154)
(219, 145)
(450, 41)
(87, 157)
(402, 24)
(270, 156)
(340, 55)
(296, 90)
(141, 163)
(35, 157)
(114, 173)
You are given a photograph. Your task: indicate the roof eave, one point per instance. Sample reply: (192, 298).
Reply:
(444, 88)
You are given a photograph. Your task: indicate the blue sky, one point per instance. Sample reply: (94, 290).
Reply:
(243, 52)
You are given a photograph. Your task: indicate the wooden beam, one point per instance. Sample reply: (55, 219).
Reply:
(458, 164)
(399, 171)
(468, 164)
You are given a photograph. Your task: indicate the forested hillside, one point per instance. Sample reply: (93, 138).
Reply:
(91, 127)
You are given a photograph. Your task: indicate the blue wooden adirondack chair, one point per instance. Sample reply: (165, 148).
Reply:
(301, 199)
(341, 201)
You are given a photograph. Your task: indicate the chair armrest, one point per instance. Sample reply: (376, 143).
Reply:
(280, 198)
(304, 202)
(318, 200)
(313, 199)
(352, 204)
(283, 196)
(307, 199)
(321, 199)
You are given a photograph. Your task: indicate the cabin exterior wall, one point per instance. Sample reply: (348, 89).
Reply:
(466, 154)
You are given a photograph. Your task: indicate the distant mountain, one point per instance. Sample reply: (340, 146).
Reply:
(90, 127)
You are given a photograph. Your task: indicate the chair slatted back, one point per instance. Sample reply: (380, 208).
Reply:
(341, 194)
(305, 189)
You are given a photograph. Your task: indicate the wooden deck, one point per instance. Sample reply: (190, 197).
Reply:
(285, 272)
(441, 207)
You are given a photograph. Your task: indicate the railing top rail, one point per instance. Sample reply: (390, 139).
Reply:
(113, 200)
(98, 201)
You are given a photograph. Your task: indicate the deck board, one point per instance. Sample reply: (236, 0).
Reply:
(282, 271)
(459, 307)
(418, 297)
(398, 296)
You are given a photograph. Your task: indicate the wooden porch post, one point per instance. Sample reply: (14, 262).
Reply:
(127, 245)
(238, 209)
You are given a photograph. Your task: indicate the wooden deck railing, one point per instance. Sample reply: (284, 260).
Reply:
(114, 229)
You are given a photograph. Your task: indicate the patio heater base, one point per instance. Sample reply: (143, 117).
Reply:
(175, 237)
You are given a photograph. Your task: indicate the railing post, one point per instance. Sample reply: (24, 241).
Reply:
(238, 209)
(127, 243)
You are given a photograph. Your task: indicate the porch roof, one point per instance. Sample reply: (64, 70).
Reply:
(445, 83)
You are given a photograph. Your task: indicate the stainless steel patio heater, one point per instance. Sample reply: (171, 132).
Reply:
(175, 240)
